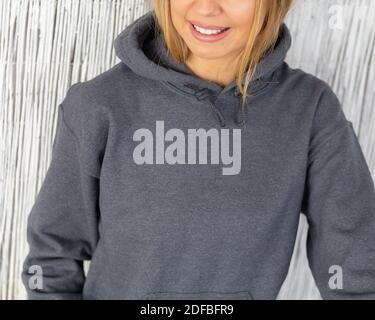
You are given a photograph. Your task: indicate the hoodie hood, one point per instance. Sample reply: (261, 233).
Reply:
(145, 52)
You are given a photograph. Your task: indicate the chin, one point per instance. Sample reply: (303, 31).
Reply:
(208, 53)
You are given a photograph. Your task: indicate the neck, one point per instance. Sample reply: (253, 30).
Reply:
(220, 71)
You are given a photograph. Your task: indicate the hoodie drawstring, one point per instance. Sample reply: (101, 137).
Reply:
(240, 118)
(204, 94)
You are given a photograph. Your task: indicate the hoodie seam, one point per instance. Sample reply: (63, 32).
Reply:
(77, 142)
(268, 85)
(256, 93)
(176, 89)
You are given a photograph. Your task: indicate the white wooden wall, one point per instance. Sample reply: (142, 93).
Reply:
(47, 45)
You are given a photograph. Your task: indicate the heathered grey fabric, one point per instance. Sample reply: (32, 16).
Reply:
(189, 231)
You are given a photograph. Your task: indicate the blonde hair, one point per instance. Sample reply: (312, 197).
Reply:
(268, 17)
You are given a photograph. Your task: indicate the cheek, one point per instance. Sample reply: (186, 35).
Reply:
(240, 10)
(242, 21)
(179, 9)
(243, 33)
(178, 13)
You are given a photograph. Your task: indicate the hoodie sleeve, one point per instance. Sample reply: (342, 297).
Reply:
(62, 225)
(339, 203)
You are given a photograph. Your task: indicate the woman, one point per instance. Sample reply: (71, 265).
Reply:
(181, 172)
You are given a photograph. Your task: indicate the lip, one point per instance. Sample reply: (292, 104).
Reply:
(207, 26)
(207, 38)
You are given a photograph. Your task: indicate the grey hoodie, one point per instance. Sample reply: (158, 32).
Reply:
(173, 192)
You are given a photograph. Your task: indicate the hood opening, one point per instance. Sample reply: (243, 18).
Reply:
(144, 51)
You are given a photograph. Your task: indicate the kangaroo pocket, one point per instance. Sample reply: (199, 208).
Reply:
(207, 295)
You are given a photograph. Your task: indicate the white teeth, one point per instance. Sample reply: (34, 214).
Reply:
(207, 31)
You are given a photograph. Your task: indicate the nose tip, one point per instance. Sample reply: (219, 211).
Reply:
(207, 8)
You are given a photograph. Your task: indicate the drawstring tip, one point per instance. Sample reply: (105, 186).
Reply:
(221, 120)
(240, 118)
(240, 123)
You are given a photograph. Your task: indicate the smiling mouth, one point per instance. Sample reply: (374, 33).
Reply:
(209, 31)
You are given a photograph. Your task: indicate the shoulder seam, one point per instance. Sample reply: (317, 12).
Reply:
(71, 131)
